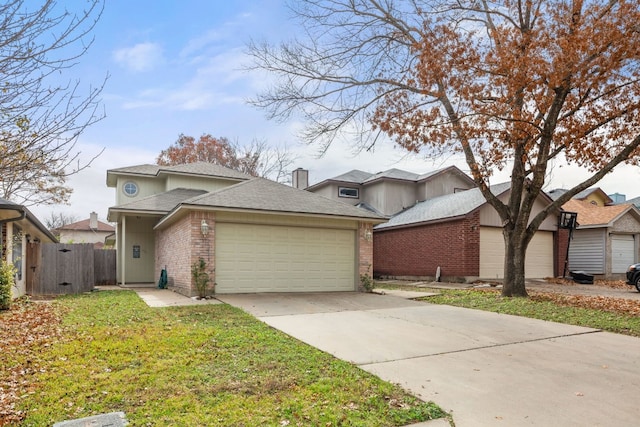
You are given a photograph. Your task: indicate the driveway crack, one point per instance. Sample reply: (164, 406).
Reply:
(595, 331)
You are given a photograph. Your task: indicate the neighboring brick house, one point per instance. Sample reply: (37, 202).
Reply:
(89, 230)
(460, 236)
(254, 234)
(439, 219)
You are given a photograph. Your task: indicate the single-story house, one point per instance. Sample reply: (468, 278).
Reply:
(606, 240)
(89, 230)
(459, 235)
(21, 235)
(255, 235)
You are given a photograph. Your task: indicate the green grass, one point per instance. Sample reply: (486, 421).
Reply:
(539, 308)
(206, 365)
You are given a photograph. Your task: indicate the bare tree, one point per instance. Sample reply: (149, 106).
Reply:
(59, 219)
(507, 84)
(42, 109)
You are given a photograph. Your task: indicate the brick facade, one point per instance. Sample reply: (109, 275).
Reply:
(365, 251)
(180, 245)
(560, 245)
(418, 251)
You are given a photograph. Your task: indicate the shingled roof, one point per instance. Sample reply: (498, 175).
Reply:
(444, 207)
(590, 215)
(197, 168)
(261, 194)
(160, 204)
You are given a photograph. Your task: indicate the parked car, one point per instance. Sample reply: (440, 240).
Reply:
(633, 276)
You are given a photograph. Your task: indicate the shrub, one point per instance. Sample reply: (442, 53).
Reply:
(7, 281)
(200, 277)
(367, 281)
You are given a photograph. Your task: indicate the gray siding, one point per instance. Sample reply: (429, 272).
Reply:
(587, 251)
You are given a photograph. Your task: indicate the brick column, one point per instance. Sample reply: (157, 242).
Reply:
(203, 246)
(365, 251)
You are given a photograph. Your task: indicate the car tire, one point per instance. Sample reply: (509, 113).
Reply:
(636, 281)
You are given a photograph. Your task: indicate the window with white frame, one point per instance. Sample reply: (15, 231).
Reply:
(348, 192)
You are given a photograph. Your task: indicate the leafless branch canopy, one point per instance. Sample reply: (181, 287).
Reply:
(42, 109)
(506, 83)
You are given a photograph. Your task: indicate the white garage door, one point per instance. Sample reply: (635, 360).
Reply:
(267, 258)
(539, 260)
(622, 252)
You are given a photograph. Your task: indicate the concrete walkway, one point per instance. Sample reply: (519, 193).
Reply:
(487, 369)
(155, 297)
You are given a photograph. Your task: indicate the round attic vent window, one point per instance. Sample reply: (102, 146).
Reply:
(130, 188)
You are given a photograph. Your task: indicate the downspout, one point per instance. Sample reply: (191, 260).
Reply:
(22, 216)
(123, 251)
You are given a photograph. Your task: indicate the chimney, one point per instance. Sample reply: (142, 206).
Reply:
(93, 221)
(300, 178)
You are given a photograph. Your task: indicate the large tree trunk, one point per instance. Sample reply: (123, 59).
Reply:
(514, 261)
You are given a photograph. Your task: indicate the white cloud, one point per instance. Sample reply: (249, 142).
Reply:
(140, 57)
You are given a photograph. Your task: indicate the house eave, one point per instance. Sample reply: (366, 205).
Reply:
(169, 218)
(421, 223)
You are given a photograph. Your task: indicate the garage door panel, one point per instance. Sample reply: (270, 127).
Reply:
(262, 258)
(538, 262)
(622, 252)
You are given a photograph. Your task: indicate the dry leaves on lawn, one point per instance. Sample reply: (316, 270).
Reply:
(26, 329)
(615, 305)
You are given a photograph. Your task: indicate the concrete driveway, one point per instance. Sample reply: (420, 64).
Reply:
(487, 369)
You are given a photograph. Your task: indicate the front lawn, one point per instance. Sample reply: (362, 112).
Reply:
(208, 365)
(599, 312)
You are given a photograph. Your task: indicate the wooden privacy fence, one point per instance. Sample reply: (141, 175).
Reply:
(59, 268)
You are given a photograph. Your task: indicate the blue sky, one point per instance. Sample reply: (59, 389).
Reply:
(176, 67)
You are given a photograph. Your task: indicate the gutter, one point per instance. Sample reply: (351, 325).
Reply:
(24, 213)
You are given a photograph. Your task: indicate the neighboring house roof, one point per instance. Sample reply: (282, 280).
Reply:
(367, 206)
(197, 168)
(393, 174)
(556, 193)
(84, 225)
(363, 178)
(590, 216)
(10, 212)
(444, 207)
(355, 176)
(261, 194)
(160, 203)
(635, 201)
